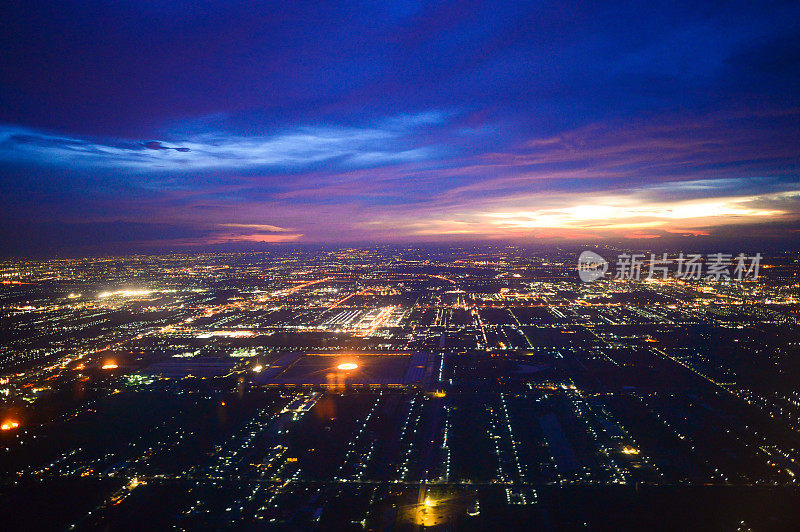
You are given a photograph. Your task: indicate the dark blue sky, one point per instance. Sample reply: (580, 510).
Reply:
(174, 124)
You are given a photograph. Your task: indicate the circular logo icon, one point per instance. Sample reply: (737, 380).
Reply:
(591, 266)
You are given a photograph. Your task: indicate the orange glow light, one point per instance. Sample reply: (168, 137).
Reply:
(347, 366)
(109, 365)
(8, 425)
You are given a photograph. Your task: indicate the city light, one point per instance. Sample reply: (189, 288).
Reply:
(403, 380)
(9, 425)
(124, 293)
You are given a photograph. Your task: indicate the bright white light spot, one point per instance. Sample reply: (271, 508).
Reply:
(124, 293)
(347, 366)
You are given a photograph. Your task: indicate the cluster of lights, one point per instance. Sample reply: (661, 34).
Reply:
(9, 425)
(122, 293)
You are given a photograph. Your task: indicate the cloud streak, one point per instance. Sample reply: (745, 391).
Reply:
(386, 142)
(338, 183)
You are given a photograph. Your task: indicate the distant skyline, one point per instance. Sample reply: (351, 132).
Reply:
(183, 126)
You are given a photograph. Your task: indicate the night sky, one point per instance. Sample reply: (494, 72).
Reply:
(127, 126)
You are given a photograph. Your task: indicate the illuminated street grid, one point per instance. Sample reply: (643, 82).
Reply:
(365, 388)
